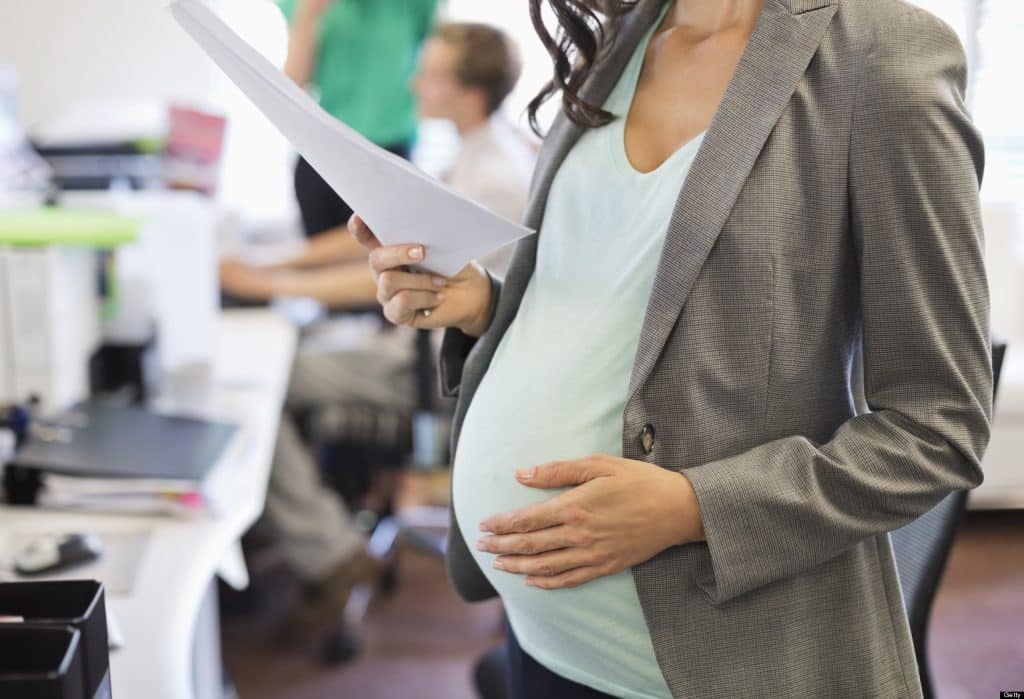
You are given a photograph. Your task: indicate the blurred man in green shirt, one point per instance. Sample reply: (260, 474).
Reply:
(358, 56)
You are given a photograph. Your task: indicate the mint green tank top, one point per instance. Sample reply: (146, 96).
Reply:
(556, 389)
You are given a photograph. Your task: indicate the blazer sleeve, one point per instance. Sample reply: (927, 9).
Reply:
(914, 172)
(456, 346)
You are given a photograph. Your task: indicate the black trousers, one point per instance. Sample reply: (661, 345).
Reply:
(320, 206)
(528, 679)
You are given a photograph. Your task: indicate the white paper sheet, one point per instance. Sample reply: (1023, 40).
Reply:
(398, 202)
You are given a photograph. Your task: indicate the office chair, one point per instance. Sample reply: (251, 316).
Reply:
(425, 527)
(922, 550)
(355, 441)
(361, 442)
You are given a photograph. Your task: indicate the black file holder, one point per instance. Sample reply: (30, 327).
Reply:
(79, 604)
(40, 662)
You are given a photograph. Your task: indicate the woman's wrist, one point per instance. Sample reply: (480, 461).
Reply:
(305, 25)
(477, 325)
(310, 11)
(688, 523)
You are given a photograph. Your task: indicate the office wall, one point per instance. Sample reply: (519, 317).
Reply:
(116, 52)
(69, 50)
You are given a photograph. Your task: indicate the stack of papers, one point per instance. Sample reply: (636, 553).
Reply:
(123, 459)
(398, 202)
(124, 496)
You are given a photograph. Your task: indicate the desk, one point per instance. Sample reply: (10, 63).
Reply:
(171, 612)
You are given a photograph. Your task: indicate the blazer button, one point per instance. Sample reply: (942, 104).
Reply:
(647, 439)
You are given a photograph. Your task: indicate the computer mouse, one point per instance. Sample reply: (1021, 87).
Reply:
(57, 552)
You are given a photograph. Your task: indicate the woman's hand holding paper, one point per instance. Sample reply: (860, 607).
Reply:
(425, 300)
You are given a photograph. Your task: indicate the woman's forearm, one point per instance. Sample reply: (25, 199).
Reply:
(303, 44)
(329, 248)
(341, 287)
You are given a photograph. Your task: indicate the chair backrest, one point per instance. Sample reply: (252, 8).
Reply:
(922, 549)
(426, 372)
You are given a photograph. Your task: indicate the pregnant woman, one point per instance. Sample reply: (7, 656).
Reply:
(750, 339)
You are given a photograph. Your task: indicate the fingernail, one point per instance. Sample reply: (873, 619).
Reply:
(416, 253)
(484, 528)
(530, 583)
(480, 545)
(526, 474)
(439, 282)
(498, 564)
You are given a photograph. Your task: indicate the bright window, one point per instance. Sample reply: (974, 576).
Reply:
(992, 32)
(255, 178)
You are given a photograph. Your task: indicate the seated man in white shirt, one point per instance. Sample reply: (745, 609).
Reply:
(466, 72)
(459, 79)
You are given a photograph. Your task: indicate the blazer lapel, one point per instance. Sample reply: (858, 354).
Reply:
(784, 40)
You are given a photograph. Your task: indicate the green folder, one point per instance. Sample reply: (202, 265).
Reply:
(59, 226)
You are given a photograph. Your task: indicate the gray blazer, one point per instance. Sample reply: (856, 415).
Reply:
(832, 213)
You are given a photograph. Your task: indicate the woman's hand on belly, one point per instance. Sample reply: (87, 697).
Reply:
(617, 513)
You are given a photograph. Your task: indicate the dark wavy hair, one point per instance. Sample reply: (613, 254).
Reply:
(583, 34)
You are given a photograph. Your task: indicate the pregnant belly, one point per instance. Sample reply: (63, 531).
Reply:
(484, 482)
(512, 425)
(596, 629)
